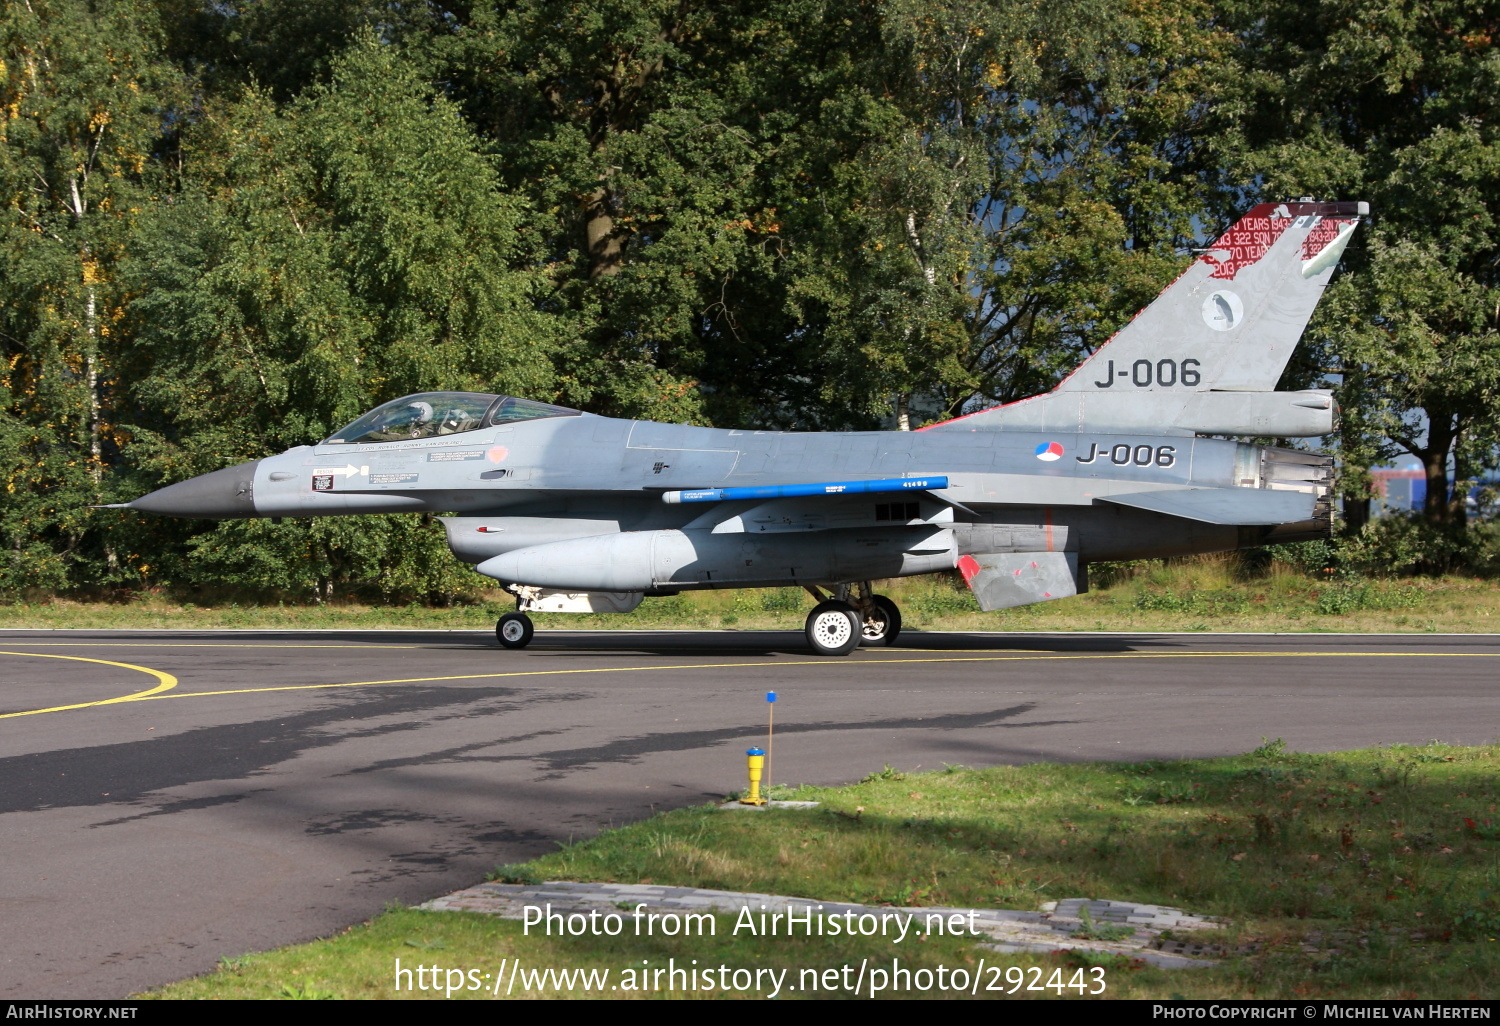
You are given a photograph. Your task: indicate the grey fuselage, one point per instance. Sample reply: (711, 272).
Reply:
(531, 483)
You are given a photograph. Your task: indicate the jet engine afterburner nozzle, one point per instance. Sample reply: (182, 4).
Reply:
(221, 495)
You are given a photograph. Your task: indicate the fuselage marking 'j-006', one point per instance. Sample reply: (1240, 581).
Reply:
(1123, 454)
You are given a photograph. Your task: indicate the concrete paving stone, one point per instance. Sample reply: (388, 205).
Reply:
(1155, 958)
(1022, 947)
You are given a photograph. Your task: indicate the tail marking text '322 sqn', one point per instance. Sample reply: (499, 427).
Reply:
(578, 513)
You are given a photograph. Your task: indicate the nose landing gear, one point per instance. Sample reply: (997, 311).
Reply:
(514, 630)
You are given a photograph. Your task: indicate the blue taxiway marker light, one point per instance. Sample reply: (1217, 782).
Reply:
(770, 696)
(889, 484)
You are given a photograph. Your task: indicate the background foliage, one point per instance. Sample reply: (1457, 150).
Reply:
(228, 228)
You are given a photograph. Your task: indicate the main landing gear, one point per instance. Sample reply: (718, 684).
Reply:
(854, 616)
(841, 622)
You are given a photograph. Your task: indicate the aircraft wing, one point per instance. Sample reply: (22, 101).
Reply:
(1227, 506)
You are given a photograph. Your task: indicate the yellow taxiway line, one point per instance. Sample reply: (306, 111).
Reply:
(179, 644)
(165, 682)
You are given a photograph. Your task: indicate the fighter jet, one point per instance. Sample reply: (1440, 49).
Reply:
(573, 512)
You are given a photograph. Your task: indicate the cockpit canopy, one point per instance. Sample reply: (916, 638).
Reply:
(427, 414)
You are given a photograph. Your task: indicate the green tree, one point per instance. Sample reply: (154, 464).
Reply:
(809, 206)
(315, 262)
(980, 193)
(83, 95)
(281, 47)
(626, 125)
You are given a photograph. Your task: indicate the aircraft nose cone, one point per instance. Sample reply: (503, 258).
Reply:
(221, 495)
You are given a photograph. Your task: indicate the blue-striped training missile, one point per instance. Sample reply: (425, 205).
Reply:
(889, 484)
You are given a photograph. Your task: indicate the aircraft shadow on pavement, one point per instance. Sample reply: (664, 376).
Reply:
(136, 776)
(553, 792)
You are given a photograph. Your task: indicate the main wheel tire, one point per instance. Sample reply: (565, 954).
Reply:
(833, 628)
(882, 624)
(514, 630)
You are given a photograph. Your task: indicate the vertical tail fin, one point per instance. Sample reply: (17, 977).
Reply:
(1226, 327)
(1232, 319)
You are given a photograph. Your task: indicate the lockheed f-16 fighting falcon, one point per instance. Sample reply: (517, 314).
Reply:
(578, 513)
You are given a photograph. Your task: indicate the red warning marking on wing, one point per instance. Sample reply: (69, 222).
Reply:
(1324, 232)
(1244, 244)
(969, 567)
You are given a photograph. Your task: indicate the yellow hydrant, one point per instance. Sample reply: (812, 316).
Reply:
(757, 761)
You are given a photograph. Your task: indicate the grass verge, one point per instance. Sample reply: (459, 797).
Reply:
(1211, 593)
(1368, 874)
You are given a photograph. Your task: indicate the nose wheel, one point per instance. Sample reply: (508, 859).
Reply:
(514, 630)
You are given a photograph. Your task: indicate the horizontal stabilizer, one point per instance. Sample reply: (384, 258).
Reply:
(1228, 506)
(1000, 580)
(890, 484)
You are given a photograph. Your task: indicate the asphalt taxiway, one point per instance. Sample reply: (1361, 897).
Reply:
(171, 797)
